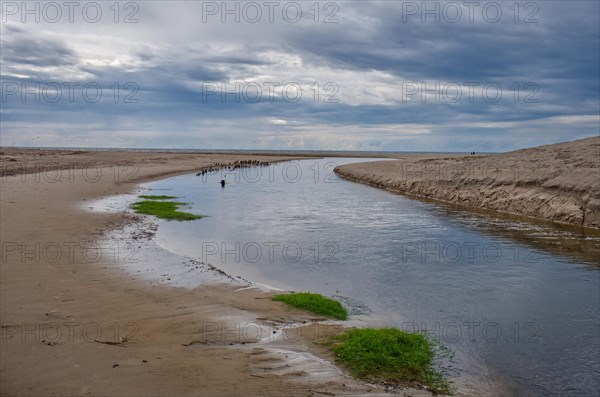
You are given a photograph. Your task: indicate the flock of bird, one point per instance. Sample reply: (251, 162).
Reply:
(234, 165)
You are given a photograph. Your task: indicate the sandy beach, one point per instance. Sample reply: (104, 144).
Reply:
(558, 183)
(74, 324)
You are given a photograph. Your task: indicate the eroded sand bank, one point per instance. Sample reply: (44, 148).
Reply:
(558, 183)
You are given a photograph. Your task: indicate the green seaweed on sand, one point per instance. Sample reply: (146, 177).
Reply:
(389, 355)
(164, 210)
(314, 303)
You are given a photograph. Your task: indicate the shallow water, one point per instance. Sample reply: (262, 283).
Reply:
(497, 292)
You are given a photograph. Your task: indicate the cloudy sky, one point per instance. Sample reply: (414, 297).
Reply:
(357, 75)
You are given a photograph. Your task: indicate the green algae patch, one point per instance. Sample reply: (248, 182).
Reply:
(164, 210)
(314, 303)
(389, 355)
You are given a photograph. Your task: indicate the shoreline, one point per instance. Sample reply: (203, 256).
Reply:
(47, 208)
(557, 183)
(509, 216)
(468, 385)
(172, 345)
(18, 161)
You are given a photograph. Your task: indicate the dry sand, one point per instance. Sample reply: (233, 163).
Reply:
(56, 299)
(558, 183)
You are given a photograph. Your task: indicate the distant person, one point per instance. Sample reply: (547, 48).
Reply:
(222, 182)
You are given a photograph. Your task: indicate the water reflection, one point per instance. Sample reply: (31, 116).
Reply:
(498, 292)
(582, 245)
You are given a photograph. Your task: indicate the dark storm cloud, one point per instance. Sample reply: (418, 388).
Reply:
(19, 49)
(556, 44)
(369, 53)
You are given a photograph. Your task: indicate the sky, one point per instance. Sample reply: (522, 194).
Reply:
(333, 75)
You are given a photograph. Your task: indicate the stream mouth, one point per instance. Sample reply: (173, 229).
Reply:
(517, 303)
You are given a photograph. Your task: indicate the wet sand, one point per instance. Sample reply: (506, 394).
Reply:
(74, 323)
